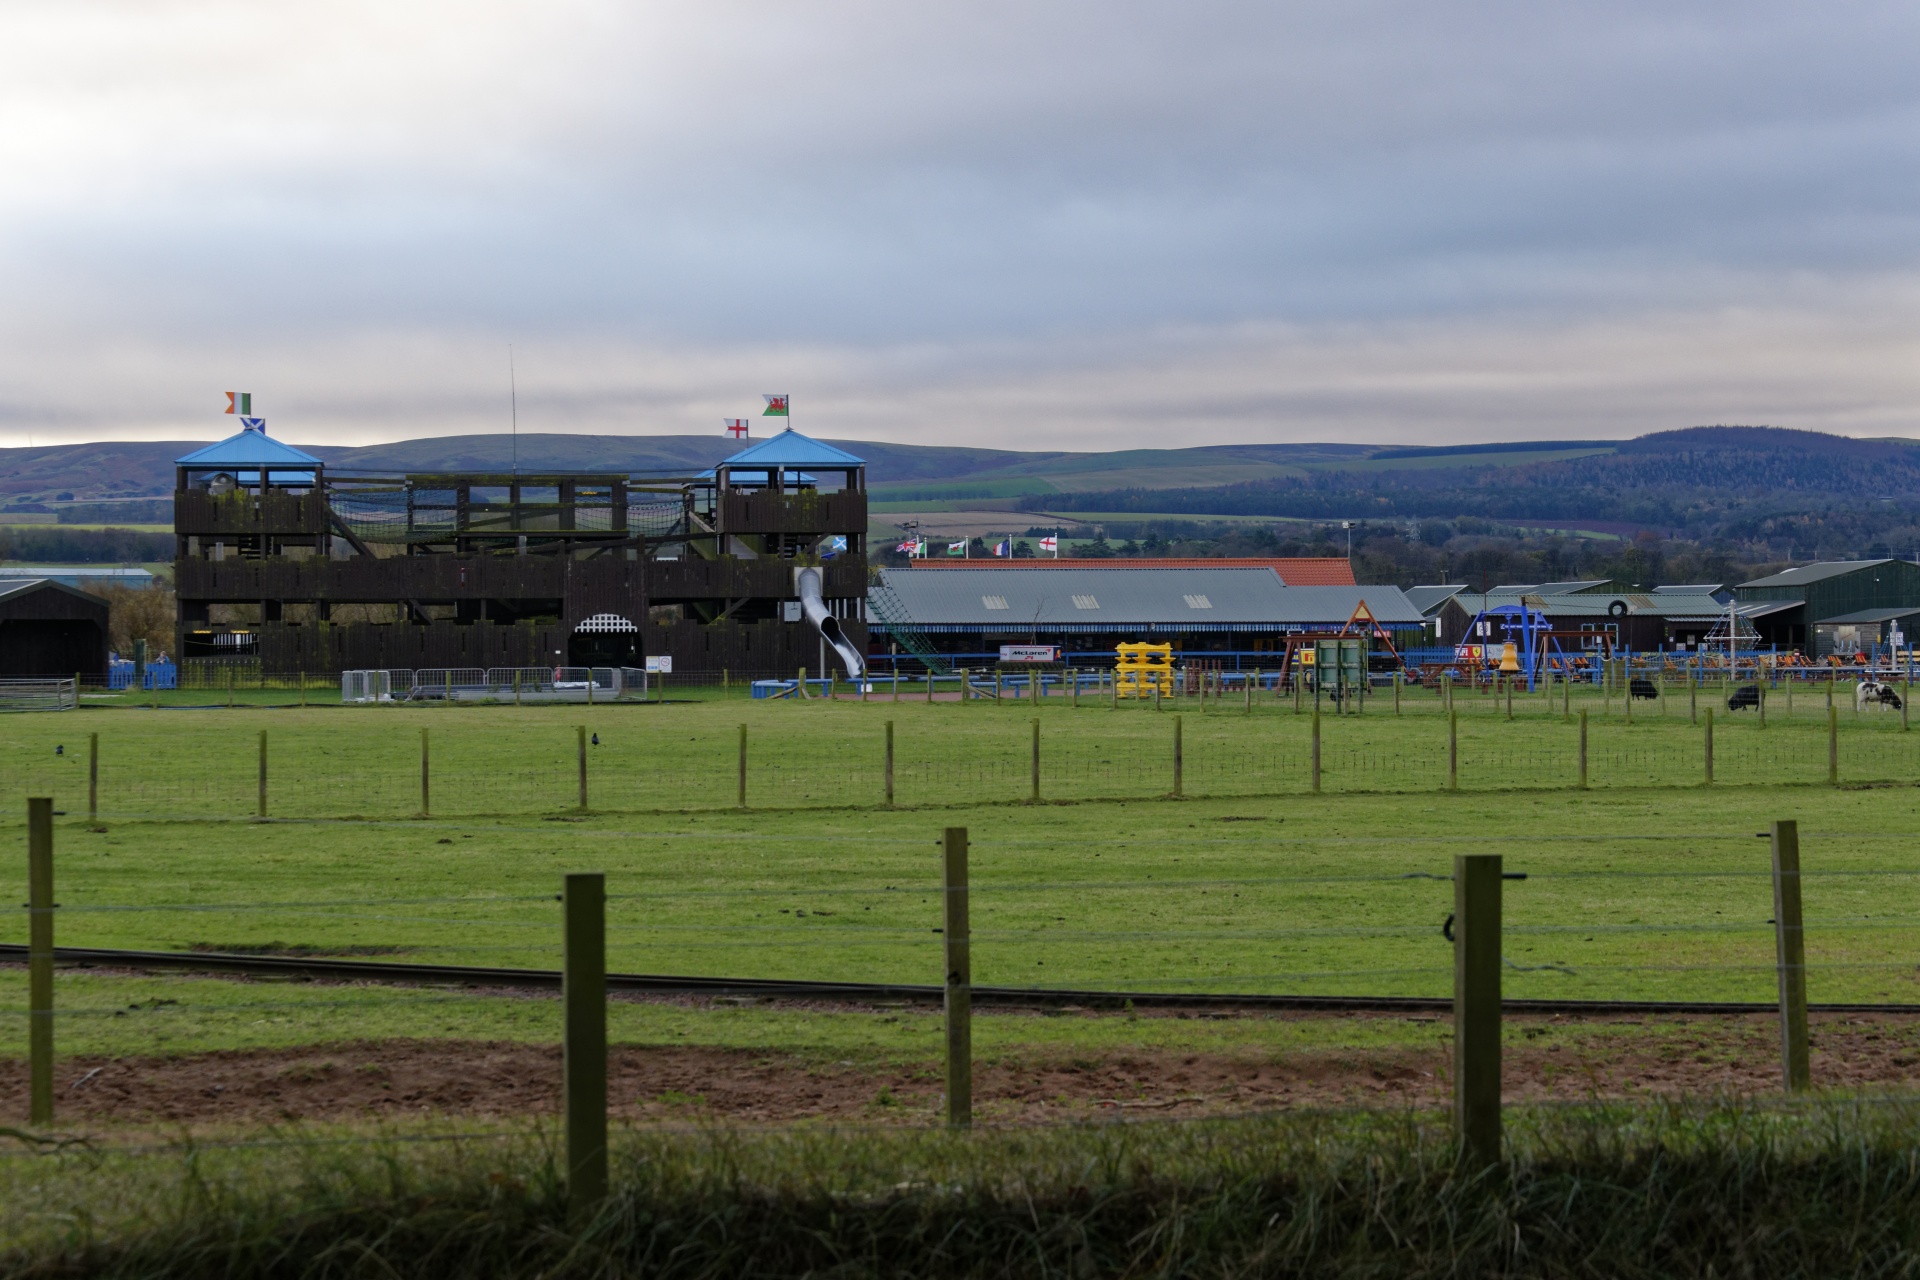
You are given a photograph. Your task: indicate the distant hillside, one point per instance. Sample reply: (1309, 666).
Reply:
(1726, 482)
(1798, 489)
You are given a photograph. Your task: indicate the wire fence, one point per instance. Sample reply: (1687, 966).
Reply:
(383, 763)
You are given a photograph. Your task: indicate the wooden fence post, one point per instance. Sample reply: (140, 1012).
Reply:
(1453, 749)
(1833, 746)
(1035, 799)
(1316, 750)
(1396, 693)
(959, 984)
(740, 799)
(40, 959)
(1709, 744)
(1476, 1006)
(1179, 757)
(743, 765)
(426, 807)
(93, 777)
(260, 810)
(1791, 949)
(581, 734)
(1583, 748)
(303, 688)
(584, 1054)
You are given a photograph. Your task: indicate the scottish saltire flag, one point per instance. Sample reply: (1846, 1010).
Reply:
(1050, 543)
(956, 548)
(737, 427)
(239, 402)
(776, 406)
(253, 424)
(836, 545)
(1004, 547)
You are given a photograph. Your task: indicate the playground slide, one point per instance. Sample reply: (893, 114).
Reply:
(807, 583)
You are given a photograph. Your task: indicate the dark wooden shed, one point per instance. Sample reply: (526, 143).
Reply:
(50, 629)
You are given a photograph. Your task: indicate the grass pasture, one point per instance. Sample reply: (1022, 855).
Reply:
(1647, 884)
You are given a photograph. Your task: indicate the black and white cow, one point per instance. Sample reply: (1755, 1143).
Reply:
(1875, 693)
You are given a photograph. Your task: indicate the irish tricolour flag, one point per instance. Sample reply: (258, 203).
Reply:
(240, 402)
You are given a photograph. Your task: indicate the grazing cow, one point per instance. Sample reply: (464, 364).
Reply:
(1744, 697)
(1640, 688)
(1875, 693)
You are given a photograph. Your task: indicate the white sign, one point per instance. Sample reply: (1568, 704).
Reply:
(661, 666)
(1029, 653)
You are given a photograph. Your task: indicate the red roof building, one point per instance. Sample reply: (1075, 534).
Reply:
(1294, 571)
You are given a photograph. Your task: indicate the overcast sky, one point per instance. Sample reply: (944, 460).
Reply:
(1028, 225)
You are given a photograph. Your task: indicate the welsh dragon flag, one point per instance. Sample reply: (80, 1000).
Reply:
(956, 549)
(776, 406)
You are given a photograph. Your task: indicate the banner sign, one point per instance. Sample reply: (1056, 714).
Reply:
(660, 666)
(1029, 653)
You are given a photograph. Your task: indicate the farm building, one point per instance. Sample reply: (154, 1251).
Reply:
(1791, 608)
(51, 629)
(1089, 611)
(1643, 621)
(285, 564)
(1446, 620)
(1294, 571)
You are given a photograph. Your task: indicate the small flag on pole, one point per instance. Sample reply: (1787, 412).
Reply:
(240, 402)
(834, 546)
(956, 548)
(1051, 543)
(254, 424)
(776, 406)
(1004, 547)
(913, 547)
(737, 427)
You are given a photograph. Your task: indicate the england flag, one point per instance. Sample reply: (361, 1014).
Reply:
(1051, 543)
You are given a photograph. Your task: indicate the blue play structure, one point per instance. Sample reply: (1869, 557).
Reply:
(158, 675)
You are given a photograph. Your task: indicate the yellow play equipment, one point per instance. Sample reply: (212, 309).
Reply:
(1510, 658)
(1140, 668)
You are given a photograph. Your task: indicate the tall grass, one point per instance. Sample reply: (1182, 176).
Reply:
(1681, 1189)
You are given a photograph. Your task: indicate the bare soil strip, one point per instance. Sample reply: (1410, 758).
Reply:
(1554, 1059)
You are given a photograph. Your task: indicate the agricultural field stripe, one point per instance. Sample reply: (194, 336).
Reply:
(774, 988)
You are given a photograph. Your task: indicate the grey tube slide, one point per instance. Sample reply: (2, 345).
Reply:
(807, 583)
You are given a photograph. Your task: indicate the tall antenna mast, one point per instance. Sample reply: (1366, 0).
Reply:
(513, 401)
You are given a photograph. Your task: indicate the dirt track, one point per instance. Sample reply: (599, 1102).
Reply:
(1554, 1059)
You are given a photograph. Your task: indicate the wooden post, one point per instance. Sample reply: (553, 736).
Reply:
(896, 680)
(1074, 675)
(425, 771)
(801, 688)
(1113, 689)
(584, 1054)
(1790, 946)
(1316, 750)
(1566, 695)
(229, 685)
(1509, 680)
(743, 765)
(1761, 689)
(40, 960)
(1833, 746)
(516, 686)
(1583, 748)
(741, 798)
(1396, 693)
(1453, 749)
(1179, 757)
(261, 810)
(303, 688)
(1709, 746)
(1035, 799)
(1476, 1006)
(93, 777)
(959, 984)
(581, 733)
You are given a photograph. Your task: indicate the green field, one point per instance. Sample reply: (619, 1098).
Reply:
(1646, 885)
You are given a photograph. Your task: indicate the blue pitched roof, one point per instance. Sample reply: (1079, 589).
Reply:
(247, 449)
(791, 449)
